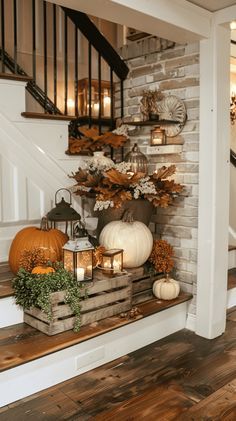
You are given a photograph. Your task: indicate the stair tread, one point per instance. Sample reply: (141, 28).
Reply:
(48, 116)
(231, 247)
(231, 278)
(12, 76)
(21, 343)
(6, 289)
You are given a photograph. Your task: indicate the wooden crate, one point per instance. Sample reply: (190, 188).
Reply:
(142, 284)
(104, 298)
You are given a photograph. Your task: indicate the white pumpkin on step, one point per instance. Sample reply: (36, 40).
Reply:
(166, 288)
(132, 236)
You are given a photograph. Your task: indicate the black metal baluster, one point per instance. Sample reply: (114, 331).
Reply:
(99, 93)
(122, 110)
(15, 34)
(122, 98)
(55, 54)
(33, 41)
(65, 63)
(45, 53)
(76, 72)
(3, 35)
(111, 99)
(89, 83)
(111, 107)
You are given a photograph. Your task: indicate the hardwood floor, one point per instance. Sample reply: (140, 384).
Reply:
(182, 377)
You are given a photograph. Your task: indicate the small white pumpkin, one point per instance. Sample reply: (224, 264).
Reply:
(166, 288)
(132, 236)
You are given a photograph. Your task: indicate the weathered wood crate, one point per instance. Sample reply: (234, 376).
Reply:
(142, 284)
(105, 297)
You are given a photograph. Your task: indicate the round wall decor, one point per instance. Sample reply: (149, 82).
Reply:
(172, 108)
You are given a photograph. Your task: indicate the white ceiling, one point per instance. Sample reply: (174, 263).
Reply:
(213, 5)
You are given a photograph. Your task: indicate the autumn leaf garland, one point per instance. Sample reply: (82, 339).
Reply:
(115, 185)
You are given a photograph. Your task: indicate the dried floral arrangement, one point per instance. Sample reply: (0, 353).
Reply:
(162, 256)
(91, 141)
(149, 102)
(113, 184)
(32, 258)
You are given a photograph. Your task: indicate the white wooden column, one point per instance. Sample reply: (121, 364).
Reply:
(213, 183)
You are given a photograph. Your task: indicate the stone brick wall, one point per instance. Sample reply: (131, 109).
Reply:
(173, 70)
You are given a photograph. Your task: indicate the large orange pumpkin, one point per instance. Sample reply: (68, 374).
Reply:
(50, 241)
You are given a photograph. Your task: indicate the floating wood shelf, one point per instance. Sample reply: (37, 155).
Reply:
(164, 149)
(152, 122)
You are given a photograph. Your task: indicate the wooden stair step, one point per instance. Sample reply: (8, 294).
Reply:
(230, 247)
(231, 278)
(12, 76)
(21, 343)
(45, 116)
(6, 277)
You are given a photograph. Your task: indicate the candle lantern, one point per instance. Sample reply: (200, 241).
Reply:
(112, 262)
(78, 257)
(138, 161)
(158, 136)
(63, 213)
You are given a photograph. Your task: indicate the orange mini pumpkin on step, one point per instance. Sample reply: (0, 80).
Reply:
(39, 270)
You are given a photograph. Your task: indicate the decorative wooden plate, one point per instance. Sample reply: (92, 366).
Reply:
(172, 108)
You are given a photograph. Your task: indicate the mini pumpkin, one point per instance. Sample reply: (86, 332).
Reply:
(166, 288)
(49, 240)
(39, 270)
(132, 236)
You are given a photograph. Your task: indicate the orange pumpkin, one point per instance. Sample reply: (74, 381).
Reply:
(50, 241)
(39, 270)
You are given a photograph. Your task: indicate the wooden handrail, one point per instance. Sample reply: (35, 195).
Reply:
(98, 41)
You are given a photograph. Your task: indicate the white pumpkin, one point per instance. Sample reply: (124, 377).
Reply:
(133, 237)
(166, 288)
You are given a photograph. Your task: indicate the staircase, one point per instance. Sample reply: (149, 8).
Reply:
(31, 361)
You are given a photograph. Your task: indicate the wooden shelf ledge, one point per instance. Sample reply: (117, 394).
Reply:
(21, 343)
(12, 76)
(43, 116)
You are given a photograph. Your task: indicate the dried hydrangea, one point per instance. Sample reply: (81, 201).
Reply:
(144, 187)
(103, 204)
(96, 167)
(161, 256)
(123, 167)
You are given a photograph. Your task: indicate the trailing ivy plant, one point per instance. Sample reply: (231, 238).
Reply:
(33, 290)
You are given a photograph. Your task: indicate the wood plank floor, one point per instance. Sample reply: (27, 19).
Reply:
(182, 377)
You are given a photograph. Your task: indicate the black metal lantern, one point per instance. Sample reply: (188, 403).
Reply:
(63, 212)
(138, 161)
(78, 257)
(112, 262)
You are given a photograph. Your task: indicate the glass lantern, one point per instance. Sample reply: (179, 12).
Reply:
(158, 136)
(63, 213)
(112, 262)
(78, 258)
(138, 161)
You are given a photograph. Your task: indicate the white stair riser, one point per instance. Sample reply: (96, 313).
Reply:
(231, 298)
(10, 313)
(231, 259)
(63, 365)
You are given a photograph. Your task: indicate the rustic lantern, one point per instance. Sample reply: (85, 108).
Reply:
(137, 159)
(112, 262)
(158, 136)
(63, 213)
(78, 258)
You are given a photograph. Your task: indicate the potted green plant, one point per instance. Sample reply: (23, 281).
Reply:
(34, 289)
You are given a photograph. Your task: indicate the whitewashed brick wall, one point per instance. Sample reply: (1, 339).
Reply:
(174, 71)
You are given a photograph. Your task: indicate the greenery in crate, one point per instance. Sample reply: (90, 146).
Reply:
(33, 290)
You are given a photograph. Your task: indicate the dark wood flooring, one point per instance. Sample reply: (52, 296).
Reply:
(182, 377)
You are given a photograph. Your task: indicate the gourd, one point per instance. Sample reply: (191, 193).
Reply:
(132, 236)
(39, 270)
(166, 288)
(49, 240)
